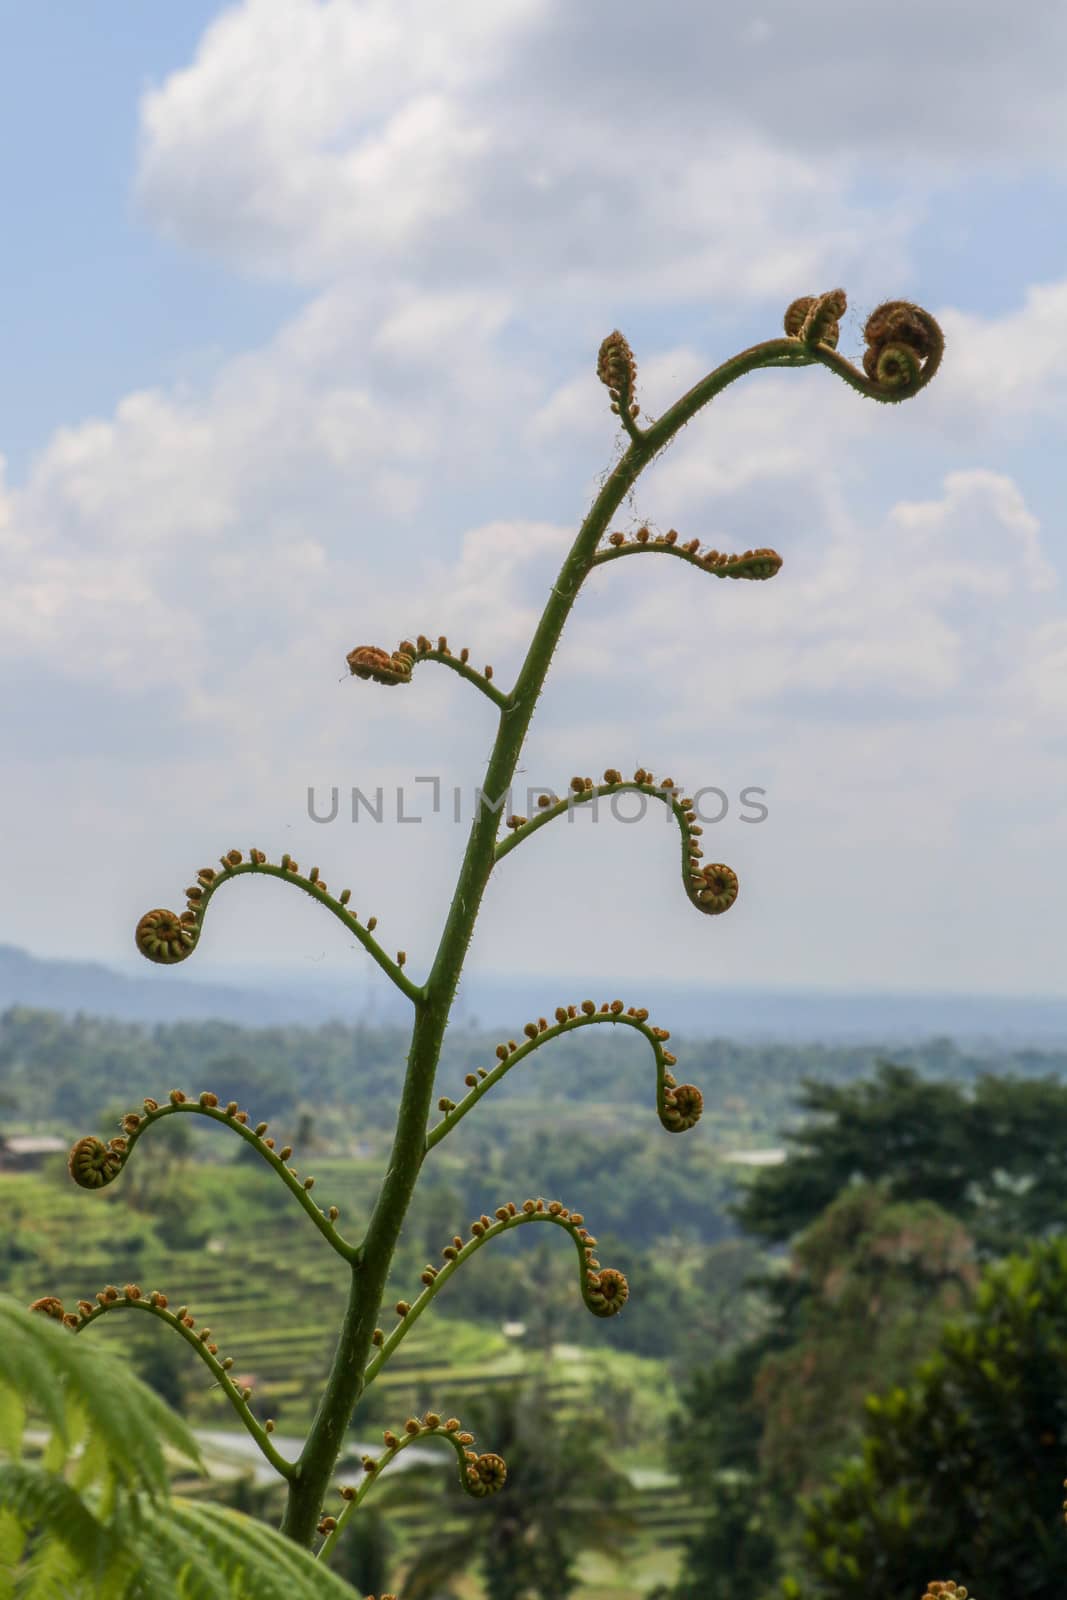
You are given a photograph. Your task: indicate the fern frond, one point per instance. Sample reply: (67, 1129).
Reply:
(48, 1367)
(43, 1502)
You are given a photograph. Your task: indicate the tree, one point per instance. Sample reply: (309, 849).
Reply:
(568, 1498)
(927, 1141)
(883, 1278)
(736, 1553)
(872, 1282)
(962, 1467)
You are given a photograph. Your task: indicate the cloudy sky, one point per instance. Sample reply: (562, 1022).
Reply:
(302, 306)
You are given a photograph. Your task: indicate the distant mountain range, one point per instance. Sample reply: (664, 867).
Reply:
(261, 999)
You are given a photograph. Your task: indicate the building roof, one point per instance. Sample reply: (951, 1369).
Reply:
(32, 1144)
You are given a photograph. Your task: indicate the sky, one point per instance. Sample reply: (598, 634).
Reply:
(302, 302)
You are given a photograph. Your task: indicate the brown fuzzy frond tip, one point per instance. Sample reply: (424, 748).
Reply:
(368, 661)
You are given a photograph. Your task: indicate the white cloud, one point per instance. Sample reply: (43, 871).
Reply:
(1002, 372)
(443, 146)
(474, 197)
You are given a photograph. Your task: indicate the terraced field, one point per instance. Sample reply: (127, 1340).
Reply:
(277, 1323)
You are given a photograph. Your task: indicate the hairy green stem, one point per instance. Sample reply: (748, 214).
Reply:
(432, 1007)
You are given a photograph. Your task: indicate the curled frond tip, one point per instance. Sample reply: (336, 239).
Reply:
(487, 1474)
(816, 320)
(617, 369)
(164, 936)
(714, 888)
(904, 343)
(92, 1163)
(369, 661)
(608, 1292)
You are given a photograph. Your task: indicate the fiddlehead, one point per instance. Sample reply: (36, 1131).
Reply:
(603, 1289)
(679, 1106)
(904, 344)
(480, 1475)
(93, 1164)
(752, 564)
(132, 1298)
(712, 888)
(369, 662)
(815, 320)
(617, 369)
(166, 937)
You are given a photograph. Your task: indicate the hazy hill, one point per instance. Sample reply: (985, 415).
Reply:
(261, 998)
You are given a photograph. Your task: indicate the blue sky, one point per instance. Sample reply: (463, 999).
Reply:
(303, 304)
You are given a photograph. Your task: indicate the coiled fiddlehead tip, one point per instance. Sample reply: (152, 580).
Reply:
(828, 325)
(683, 1108)
(369, 661)
(487, 1474)
(715, 888)
(608, 1292)
(761, 563)
(616, 367)
(944, 1589)
(901, 337)
(92, 1163)
(615, 364)
(165, 937)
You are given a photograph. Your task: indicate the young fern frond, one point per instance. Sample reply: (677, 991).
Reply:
(904, 347)
(904, 344)
(617, 369)
(479, 1475)
(93, 1164)
(604, 1290)
(757, 565)
(131, 1298)
(712, 888)
(368, 661)
(165, 937)
(678, 1106)
(50, 1373)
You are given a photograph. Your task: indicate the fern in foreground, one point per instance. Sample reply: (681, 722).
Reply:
(99, 1520)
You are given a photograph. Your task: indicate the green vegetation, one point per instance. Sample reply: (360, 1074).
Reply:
(763, 1364)
(100, 1519)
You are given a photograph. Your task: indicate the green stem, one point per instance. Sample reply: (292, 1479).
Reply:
(492, 1231)
(223, 1380)
(662, 1059)
(465, 670)
(432, 1006)
(286, 1173)
(317, 892)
